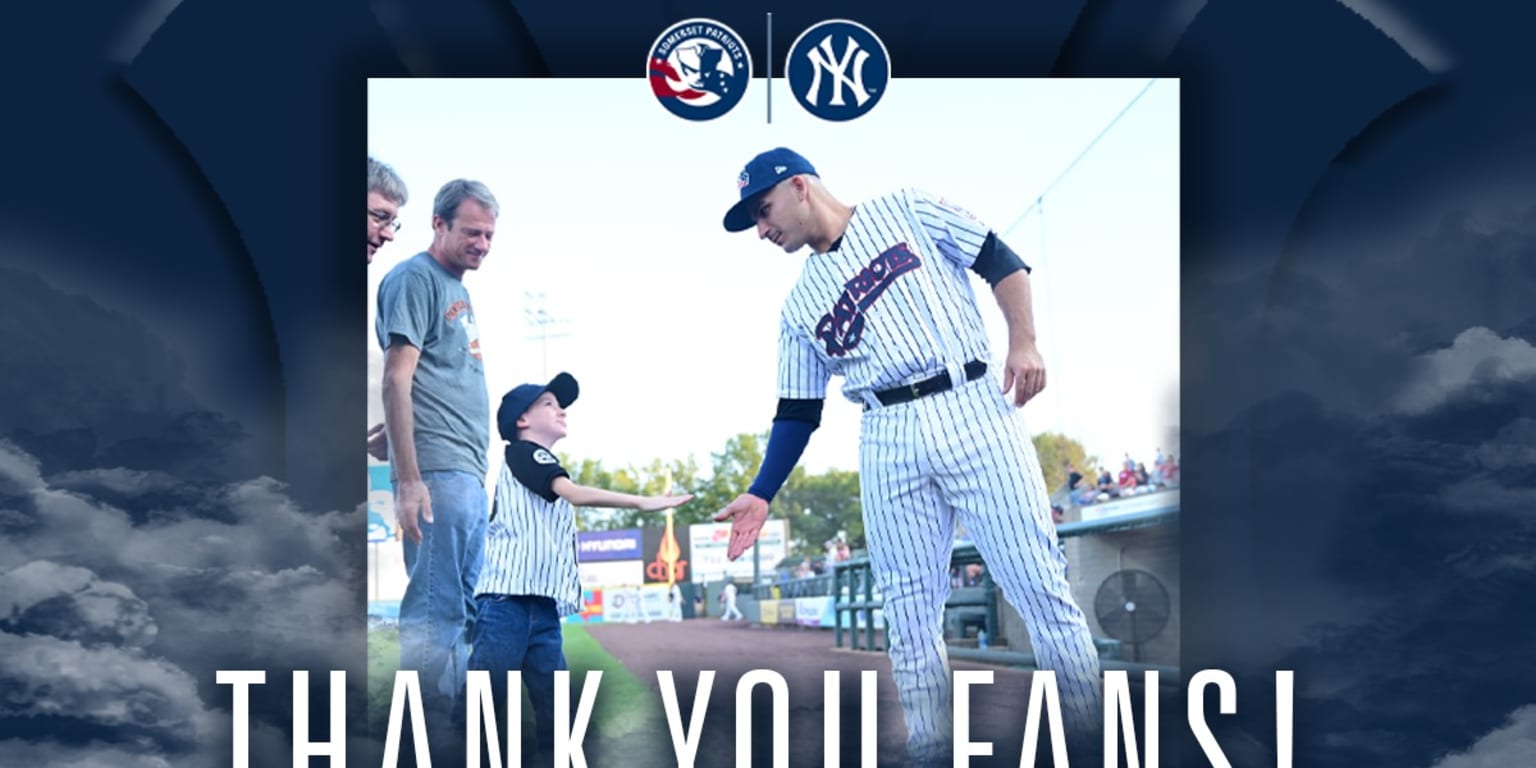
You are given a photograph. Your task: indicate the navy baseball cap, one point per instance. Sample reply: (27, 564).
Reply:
(522, 397)
(762, 174)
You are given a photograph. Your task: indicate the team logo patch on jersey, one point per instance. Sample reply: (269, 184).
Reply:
(542, 456)
(699, 69)
(957, 209)
(838, 69)
(842, 328)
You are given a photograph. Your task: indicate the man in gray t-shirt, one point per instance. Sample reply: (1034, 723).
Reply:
(437, 416)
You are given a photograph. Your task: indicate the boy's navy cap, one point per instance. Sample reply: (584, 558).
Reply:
(522, 397)
(760, 175)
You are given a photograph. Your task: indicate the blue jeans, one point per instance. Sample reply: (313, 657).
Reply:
(438, 606)
(521, 632)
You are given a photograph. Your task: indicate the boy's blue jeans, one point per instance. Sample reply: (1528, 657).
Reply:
(521, 632)
(438, 606)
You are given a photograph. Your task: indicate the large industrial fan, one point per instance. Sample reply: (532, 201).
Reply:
(1132, 606)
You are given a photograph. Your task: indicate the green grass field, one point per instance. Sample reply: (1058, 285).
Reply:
(625, 705)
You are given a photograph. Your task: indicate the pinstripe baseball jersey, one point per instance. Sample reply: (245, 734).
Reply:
(889, 304)
(530, 544)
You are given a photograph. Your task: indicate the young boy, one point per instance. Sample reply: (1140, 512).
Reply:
(528, 582)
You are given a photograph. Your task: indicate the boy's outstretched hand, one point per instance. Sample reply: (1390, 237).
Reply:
(747, 515)
(658, 503)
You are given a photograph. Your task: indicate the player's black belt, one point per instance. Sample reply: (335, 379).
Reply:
(940, 383)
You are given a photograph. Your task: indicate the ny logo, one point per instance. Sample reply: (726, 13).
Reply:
(824, 58)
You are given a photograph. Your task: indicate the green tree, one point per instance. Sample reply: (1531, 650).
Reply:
(818, 506)
(731, 473)
(1054, 449)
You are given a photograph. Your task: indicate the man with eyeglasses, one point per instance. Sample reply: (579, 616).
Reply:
(437, 415)
(386, 193)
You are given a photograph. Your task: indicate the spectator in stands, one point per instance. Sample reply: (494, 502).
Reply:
(1171, 472)
(1074, 477)
(1107, 487)
(1127, 483)
(844, 554)
(1142, 478)
(1085, 495)
(973, 574)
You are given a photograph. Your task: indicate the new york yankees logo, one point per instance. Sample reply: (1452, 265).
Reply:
(842, 328)
(825, 59)
(838, 69)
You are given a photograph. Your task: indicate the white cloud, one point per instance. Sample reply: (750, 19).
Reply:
(1513, 743)
(71, 603)
(116, 621)
(113, 687)
(1483, 494)
(117, 479)
(305, 618)
(1514, 446)
(1477, 357)
(90, 755)
(18, 471)
(37, 581)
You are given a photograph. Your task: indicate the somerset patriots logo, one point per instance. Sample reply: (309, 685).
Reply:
(699, 69)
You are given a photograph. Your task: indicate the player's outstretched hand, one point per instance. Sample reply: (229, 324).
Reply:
(378, 442)
(1024, 373)
(747, 514)
(658, 503)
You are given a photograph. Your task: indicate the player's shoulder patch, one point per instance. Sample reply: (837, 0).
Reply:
(542, 456)
(946, 203)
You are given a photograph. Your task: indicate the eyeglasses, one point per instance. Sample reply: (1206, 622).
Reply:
(385, 219)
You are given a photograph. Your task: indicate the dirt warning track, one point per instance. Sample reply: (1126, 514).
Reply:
(802, 657)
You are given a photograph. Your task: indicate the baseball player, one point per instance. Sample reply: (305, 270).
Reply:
(675, 603)
(728, 596)
(529, 580)
(885, 301)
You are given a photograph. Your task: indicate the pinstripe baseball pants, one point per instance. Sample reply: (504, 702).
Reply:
(964, 454)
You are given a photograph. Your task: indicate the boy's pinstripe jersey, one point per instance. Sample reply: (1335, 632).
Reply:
(889, 304)
(530, 546)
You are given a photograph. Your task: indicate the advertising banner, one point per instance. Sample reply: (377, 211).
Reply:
(593, 546)
(591, 608)
(810, 611)
(708, 542)
(626, 573)
(666, 554)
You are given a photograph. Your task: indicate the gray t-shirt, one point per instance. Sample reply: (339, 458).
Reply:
(423, 305)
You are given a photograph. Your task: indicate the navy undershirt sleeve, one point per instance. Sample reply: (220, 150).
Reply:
(792, 428)
(997, 261)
